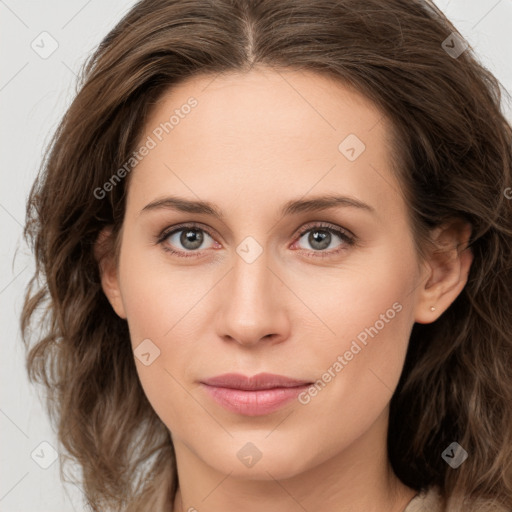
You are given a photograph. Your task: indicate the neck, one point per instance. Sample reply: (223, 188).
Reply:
(357, 479)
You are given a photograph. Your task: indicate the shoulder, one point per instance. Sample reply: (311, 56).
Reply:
(430, 500)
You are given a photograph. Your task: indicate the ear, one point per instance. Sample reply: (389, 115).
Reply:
(447, 268)
(104, 254)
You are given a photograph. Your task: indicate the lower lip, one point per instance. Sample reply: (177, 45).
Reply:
(253, 403)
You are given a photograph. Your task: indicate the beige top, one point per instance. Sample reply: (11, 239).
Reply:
(426, 501)
(430, 501)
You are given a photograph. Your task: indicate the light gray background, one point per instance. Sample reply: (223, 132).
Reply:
(34, 93)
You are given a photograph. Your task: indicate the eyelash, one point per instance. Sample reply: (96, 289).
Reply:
(348, 239)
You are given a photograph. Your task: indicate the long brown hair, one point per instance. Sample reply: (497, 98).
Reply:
(452, 152)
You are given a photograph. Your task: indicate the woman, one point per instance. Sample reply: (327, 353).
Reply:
(275, 242)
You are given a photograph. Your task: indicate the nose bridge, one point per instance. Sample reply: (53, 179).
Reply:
(253, 308)
(251, 284)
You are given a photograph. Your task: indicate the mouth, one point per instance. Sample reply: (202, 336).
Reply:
(258, 395)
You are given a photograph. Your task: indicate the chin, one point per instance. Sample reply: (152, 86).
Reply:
(255, 460)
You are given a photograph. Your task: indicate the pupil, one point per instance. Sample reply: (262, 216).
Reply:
(322, 238)
(191, 239)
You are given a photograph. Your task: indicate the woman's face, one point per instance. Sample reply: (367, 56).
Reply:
(275, 283)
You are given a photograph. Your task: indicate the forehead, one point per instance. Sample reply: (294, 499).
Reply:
(263, 103)
(266, 131)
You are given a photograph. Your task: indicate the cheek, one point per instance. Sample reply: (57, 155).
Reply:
(368, 309)
(156, 297)
(160, 312)
(367, 297)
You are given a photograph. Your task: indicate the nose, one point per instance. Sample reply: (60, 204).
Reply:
(253, 305)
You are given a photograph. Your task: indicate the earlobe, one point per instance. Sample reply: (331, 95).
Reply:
(447, 271)
(104, 254)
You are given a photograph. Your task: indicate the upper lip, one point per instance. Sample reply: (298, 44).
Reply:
(256, 382)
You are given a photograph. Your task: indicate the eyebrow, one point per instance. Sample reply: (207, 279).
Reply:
(292, 207)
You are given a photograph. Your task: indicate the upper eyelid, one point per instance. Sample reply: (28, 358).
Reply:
(325, 225)
(174, 229)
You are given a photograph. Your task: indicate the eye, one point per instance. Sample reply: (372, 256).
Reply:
(323, 236)
(188, 238)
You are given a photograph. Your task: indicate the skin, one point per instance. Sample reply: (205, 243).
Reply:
(254, 142)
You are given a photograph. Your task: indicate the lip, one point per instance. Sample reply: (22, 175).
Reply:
(258, 395)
